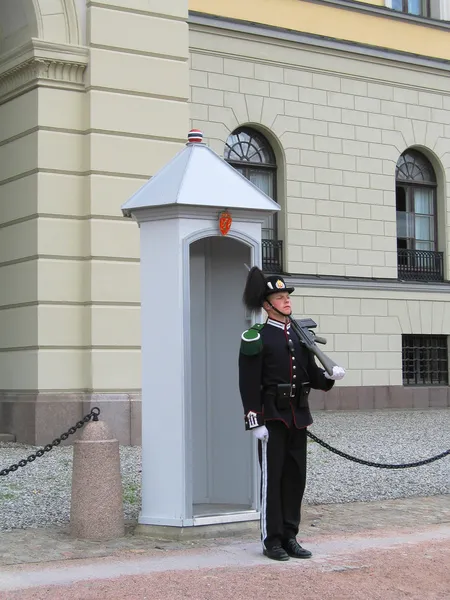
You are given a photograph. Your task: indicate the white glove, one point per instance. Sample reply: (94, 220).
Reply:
(338, 373)
(261, 433)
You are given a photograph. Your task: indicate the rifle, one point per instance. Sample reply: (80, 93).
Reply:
(302, 328)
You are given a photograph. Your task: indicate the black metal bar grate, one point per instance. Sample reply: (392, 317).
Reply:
(425, 359)
(272, 256)
(420, 265)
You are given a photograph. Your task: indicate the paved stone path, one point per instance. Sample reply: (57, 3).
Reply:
(362, 551)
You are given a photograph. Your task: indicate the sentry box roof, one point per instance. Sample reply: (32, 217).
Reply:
(197, 176)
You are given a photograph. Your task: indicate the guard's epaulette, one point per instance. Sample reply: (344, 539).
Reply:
(251, 343)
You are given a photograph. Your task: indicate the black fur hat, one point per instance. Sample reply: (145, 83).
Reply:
(258, 288)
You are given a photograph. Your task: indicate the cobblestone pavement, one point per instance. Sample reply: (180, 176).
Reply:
(389, 566)
(387, 550)
(385, 570)
(393, 545)
(48, 544)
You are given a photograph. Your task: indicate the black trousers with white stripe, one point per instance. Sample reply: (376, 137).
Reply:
(283, 479)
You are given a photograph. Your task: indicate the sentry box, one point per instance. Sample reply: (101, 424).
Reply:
(200, 229)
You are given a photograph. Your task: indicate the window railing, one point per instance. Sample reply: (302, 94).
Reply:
(272, 256)
(420, 265)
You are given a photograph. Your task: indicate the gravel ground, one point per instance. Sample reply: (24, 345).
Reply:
(39, 494)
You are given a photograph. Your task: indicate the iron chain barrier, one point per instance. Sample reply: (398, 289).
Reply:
(96, 411)
(56, 442)
(369, 463)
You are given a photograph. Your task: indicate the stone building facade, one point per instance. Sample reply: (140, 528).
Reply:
(97, 96)
(338, 133)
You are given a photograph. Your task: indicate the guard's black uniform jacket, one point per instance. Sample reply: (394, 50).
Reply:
(270, 355)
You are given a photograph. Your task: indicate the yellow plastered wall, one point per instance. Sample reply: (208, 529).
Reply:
(18, 243)
(333, 22)
(138, 117)
(63, 160)
(69, 320)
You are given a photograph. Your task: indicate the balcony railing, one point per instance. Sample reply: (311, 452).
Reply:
(272, 256)
(420, 265)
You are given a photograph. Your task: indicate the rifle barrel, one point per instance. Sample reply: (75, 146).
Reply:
(326, 361)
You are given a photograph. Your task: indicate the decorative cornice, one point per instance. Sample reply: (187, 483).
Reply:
(184, 211)
(44, 64)
(238, 28)
(385, 11)
(376, 285)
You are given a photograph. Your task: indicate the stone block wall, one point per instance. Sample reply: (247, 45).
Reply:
(363, 328)
(339, 136)
(338, 124)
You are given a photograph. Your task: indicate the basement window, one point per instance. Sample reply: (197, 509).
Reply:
(425, 359)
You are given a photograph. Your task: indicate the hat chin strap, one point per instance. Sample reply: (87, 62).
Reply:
(279, 311)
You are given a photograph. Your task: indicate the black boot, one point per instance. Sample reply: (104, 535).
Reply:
(276, 553)
(293, 548)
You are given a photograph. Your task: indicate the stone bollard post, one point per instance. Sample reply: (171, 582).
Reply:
(96, 511)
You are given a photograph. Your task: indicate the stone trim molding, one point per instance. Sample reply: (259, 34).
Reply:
(352, 283)
(42, 63)
(381, 397)
(387, 11)
(439, 10)
(37, 418)
(73, 11)
(235, 27)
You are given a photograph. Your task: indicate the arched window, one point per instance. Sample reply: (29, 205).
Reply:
(417, 218)
(249, 152)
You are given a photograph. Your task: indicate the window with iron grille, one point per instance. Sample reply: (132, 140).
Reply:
(250, 153)
(417, 248)
(416, 202)
(425, 359)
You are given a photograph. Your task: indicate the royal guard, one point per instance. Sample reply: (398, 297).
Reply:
(276, 373)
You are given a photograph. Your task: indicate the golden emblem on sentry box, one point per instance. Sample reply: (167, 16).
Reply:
(225, 221)
(279, 284)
